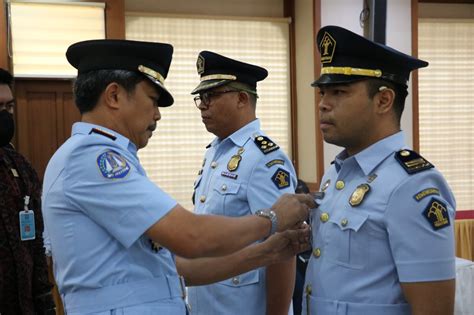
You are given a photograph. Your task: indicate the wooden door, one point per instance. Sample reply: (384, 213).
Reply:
(45, 112)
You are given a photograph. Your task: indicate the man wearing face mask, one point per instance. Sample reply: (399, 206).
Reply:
(24, 285)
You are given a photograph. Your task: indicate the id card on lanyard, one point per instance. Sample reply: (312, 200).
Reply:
(27, 222)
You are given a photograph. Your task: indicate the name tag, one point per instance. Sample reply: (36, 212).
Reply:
(27, 225)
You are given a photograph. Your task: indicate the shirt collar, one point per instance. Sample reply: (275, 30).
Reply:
(86, 128)
(241, 136)
(369, 158)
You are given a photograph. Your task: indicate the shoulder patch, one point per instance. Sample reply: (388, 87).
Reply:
(412, 162)
(265, 144)
(112, 165)
(437, 214)
(103, 133)
(274, 162)
(425, 193)
(281, 178)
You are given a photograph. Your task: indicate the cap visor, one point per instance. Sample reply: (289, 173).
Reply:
(209, 84)
(166, 99)
(327, 79)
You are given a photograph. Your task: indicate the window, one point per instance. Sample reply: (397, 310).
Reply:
(446, 93)
(175, 153)
(42, 32)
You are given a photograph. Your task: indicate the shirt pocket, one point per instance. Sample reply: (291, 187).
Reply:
(225, 198)
(348, 240)
(245, 279)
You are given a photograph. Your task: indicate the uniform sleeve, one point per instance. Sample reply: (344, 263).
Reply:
(420, 225)
(124, 205)
(272, 176)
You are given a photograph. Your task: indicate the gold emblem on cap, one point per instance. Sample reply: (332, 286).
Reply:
(327, 46)
(235, 160)
(200, 64)
(152, 73)
(405, 153)
(359, 194)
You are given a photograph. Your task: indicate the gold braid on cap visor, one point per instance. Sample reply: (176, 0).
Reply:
(218, 77)
(352, 71)
(152, 73)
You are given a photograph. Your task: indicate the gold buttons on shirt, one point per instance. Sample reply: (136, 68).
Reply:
(224, 187)
(202, 198)
(213, 164)
(235, 280)
(340, 184)
(317, 252)
(344, 222)
(308, 289)
(324, 217)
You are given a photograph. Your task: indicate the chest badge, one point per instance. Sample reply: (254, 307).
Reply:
(359, 194)
(234, 161)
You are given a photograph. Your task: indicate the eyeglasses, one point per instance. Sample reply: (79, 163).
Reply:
(205, 98)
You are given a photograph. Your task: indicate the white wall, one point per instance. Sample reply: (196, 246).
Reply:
(346, 13)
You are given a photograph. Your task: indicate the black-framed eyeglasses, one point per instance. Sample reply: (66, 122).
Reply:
(205, 98)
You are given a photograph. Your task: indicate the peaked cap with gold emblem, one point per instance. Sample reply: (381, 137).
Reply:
(348, 57)
(150, 59)
(217, 70)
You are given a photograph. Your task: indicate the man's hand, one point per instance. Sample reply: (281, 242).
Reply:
(292, 210)
(282, 246)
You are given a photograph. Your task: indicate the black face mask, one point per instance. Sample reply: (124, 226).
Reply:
(7, 127)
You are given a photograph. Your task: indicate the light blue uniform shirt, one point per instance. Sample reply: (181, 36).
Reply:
(97, 205)
(361, 253)
(256, 184)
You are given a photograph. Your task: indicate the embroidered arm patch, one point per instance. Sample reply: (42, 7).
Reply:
(425, 193)
(437, 214)
(112, 165)
(275, 162)
(281, 178)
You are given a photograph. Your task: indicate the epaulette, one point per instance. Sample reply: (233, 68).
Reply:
(265, 144)
(412, 162)
(103, 133)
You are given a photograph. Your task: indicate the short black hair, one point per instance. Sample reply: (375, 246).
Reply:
(301, 187)
(5, 77)
(89, 86)
(373, 86)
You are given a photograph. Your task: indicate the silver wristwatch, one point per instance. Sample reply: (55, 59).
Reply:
(271, 215)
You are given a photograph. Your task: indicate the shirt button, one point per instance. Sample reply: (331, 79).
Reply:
(202, 198)
(344, 222)
(309, 289)
(317, 252)
(235, 280)
(340, 184)
(224, 187)
(324, 217)
(213, 164)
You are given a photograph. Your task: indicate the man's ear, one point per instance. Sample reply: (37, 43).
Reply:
(112, 94)
(384, 99)
(244, 99)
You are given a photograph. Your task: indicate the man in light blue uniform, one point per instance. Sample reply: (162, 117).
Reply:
(111, 230)
(243, 171)
(382, 236)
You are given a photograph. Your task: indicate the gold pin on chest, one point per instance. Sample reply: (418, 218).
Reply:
(234, 161)
(359, 194)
